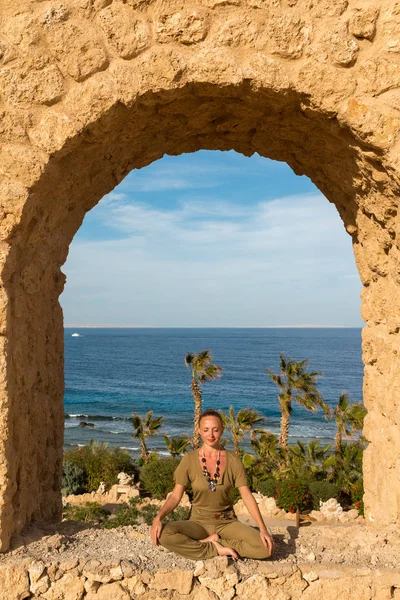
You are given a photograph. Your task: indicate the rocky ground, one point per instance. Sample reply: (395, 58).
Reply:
(353, 545)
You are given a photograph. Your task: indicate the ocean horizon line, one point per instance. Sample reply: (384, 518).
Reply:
(305, 326)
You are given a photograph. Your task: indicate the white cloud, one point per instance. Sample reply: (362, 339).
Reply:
(213, 263)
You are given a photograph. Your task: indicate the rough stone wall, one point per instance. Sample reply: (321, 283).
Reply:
(90, 89)
(91, 579)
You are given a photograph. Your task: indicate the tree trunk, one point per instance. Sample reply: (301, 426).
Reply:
(145, 452)
(197, 412)
(284, 436)
(236, 445)
(338, 442)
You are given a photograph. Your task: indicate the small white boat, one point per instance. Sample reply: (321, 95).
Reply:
(76, 335)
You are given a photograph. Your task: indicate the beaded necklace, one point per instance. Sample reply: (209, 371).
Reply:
(212, 482)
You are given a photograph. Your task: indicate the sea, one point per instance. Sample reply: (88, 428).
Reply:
(112, 372)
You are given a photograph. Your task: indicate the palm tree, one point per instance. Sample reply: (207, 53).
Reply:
(267, 459)
(238, 424)
(145, 428)
(295, 385)
(349, 419)
(305, 461)
(202, 370)
(176, 445)
(346, 466)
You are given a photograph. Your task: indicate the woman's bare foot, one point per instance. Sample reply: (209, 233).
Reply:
(214, 537)
(222, 551)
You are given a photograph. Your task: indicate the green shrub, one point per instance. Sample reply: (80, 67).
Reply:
(157, 478)
(73, 479)
(357, 496)
(100, 462)
(322, 490)
(147, 514)
(292, 495)
(267, 487)
(126, 514)
(92, 512)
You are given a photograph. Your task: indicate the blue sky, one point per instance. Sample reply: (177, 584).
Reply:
(212, 239)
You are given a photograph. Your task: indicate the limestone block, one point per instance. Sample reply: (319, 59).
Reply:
(286, 36)
(126, 34)
(55, 14)
(109, 591)
(292, 585)
(134, 585)
(199, 592)
(341, 48)
(91, 586)
(333, 588)
(68, 565)
(103, 573)
(41, 586)
(224, 586)
(370, 125)
(36, 570)
(389, 31)
(69, 587)
(199, 569)
(42, 86)
(186, 27)
(363, 22)
(216, 567)
(20, 161)
(178, 580)
(14, 578)
(77, 48)
(379, 75)
(255, 586)
(235, 32)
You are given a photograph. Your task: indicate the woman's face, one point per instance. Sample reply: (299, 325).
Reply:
(211, 430)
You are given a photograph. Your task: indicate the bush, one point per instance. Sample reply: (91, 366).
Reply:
(357, 496)
(267, 487)
(322, 490)
(100, 462)
(73, 479)
(157, 478)
(126, 514)
(292, 495)
(92, 512)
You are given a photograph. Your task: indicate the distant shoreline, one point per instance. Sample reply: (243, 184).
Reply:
(213, 327)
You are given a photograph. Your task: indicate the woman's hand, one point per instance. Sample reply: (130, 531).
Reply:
(155, 531)
(267, 540)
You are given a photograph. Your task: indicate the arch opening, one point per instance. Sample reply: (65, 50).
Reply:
(88, 164)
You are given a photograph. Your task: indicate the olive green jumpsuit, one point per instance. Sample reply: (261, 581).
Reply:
(212, 512)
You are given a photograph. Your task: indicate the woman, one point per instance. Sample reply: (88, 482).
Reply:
(212, 528)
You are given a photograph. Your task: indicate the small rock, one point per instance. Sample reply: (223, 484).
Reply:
(199, 569)
(311, 557)
(311, 576)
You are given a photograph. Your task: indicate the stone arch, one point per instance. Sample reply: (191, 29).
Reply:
(91, 89)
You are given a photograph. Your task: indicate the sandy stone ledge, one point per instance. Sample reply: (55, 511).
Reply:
(74, 561)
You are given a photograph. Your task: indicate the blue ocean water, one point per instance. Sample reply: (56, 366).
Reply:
(110, 373)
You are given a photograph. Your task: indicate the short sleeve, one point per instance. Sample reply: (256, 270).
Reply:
(181, 474)
(239, 474)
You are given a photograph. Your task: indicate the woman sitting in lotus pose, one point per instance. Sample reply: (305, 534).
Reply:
(212, 528)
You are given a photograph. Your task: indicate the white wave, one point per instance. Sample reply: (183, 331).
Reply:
(129, 448)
